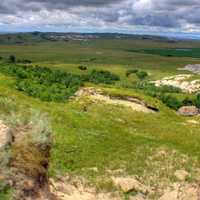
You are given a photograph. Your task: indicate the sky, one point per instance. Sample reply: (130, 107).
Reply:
(125, 16)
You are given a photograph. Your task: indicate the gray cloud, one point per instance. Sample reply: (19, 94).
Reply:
(152, 20)
(12, 6)
(171, 15)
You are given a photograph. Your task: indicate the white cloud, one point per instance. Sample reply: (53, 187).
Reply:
(129, 15)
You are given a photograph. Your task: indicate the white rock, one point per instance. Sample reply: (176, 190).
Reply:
(181, 175)
(129, 184)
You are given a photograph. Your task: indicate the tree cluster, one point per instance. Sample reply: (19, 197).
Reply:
(101, 76)
(165, 94)
(52, 85)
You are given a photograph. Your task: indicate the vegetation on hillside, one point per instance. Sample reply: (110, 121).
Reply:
(44, 83)
(52, 85)
(166, 95)
(175, 52)
(101, 77)
(26, 156)
(95, 140)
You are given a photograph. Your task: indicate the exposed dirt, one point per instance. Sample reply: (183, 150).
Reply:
(193, 68)
(165, 178)
(180, 81)
(126, 101)
(27, 169)
(63, 189)
(181, 192)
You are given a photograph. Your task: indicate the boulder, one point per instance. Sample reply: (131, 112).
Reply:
(188, 111)
(181, 175)
(129, 184)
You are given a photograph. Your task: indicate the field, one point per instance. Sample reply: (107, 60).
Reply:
(177, 52)
(92, 138)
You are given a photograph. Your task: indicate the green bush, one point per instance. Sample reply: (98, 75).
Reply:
(197, 101)
(141, 75)
(161, 93)
(188, 102)
(5, 191)
(170, 101)
(131, 71)
(52, 85)
(24, 61)
(83, 68)
(101, 77)
(12, 59)
(150, 88)
(44, 83)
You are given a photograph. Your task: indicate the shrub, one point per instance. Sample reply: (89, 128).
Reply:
(83, 68)
(170, 101)
(131, 71)
(197, 101)
(24, 61)
(44, 83)
(150, 87)
(12, 59)
(141, 75)
(187, 102)
(52, 85)
(161, 93)
(101, 77)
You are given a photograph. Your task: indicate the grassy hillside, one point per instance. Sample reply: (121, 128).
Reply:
(90, 138)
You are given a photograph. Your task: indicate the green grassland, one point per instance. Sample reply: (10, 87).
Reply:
(90, 135)
(178, 52)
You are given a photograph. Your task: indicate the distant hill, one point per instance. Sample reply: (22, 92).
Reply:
(21, 38)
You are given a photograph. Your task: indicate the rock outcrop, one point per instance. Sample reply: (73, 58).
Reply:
(128, 184)
(181, 81)
(188, 111)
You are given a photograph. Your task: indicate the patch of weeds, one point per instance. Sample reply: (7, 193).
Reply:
(105, 184)
(161, 166)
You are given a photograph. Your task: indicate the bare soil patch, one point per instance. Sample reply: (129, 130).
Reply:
(130, 102)
(193, 68)
(64, 189)
(180, 81)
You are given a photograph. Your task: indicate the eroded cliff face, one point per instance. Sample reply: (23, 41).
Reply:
(25, 149)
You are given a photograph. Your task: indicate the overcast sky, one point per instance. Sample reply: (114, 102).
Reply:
(129, 16)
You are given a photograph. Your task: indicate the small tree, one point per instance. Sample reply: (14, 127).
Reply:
(188, 102)
(131, 71)
(12, 59)
(141, 75)
(83, 68)
(170, 101)
(197, 101)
